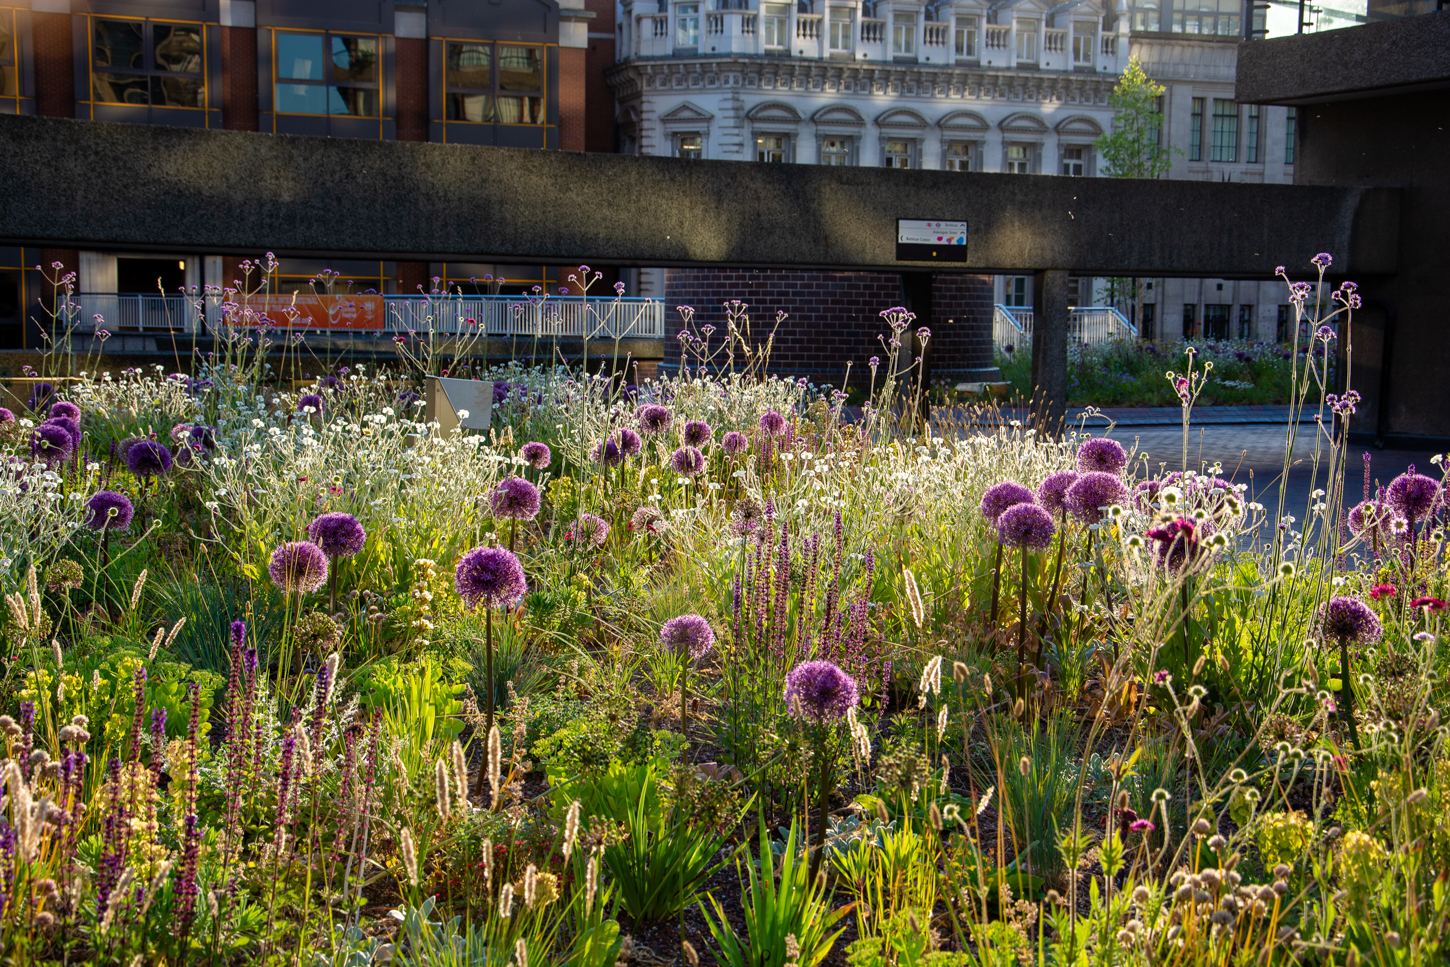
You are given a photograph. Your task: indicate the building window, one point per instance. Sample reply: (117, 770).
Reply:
(959, 156)
(1246, 322)
(495, 83)
(841, 29)
(903, 33)
(9, 82)
(1225, 145)
(1190, 320)
(1019, 159)
(1251, 135)
(1195, 131)
(1281, 325)
(1215, 321)
(1074, 161)
(898, 153)
(690, 146)
(1084, 43)
(1146, 17)
(772, 148)
(144, 62)
(1027, 40)
(345, 83)
(687, 25)
(775, 23)
(836, 151)
(1017, 291)
(1290, 130)
(966, 37)
(1147, 319)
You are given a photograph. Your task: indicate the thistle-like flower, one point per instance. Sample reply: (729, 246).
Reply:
(537, 455)
(490, 577)
(339, 535)
(1025, 526)
(515, 499)
(1001, 496)
(688, 634)
(298, 567)
(1101, 455)
(687, 461)
(109, 511)
(1349, 620)
(820, 691)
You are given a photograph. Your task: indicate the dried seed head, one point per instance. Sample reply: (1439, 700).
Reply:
(410, 855)
(571, 828)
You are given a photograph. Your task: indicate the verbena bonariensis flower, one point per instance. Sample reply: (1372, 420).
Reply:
(1103, 455)
(820, 691)
(51, 444)
(537, 455)
(734, 443)
(66, 409)
(688, 634)
(1177, 542)
(490, 577)
(514, 499)
(687, 461)
(298, 567)
(654, 419)
(1001, 496)
(1093, 491)
(1025, 526)
(697, 433)
(606, 453)
(1412, 495)
(1052, 492)
(772, 423)
(1373, 518)
(1349, 621)
(647, 520)
(312, 401)
(338, 534)
(108, 510)
(147, 458)
(629, 442)
(588, 529)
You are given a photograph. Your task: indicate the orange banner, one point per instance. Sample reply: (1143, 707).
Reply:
(309, 311)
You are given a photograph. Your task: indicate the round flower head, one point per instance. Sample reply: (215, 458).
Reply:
(629, 442)
(1052, 492)
(1025, 526)
(68, 410)
(734, 443)
(298, 567)
(589, 529)
(820, 692)
(311, 400)
(687, 461)
(108, 510)
(189, 455)
(72, 426)
(746, 516)
(772, 423)
(490, 577)
(647, 520)
(1178, 542)
(1372, 517)
(698, 433)
(1349, 621)
(537, 455)
(514, 499)
(203, 436)
(689, 634)
(1001, 496)
(147, 458)
(1093, 491)
(339, 535)
(1102, 455)
(51, 443)
(40, 396)
(606, 453)
(123, 449)
(1412, 495)
(6, 416)
(654, 419)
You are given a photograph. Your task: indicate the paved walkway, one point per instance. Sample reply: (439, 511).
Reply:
(1171, 415)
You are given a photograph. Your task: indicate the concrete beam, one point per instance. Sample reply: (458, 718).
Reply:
(141, 187)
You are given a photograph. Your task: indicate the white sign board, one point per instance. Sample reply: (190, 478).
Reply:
(910, 231)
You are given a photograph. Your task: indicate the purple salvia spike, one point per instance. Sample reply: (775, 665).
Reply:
(138, 715)
(158, 738)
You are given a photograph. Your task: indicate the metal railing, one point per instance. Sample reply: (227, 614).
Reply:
(1012, 326)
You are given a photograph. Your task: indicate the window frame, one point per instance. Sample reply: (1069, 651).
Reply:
(1195, 130)
(148, 55)
(1223, 145)
(1085, 160)
(1011, 284)
(1030, 161)
(679, 137)
(1291, 131)
(783, 19)
(970, 154)
(967, 28)
(687, 13)
(1253, 135)
(1190, 320)
(785, 146)
(1032, 35)
(1245, 322)
(326, 83)
(496, 89)
(10, 55)
(903, 41)
(911, 155)
(1087, 40)
(847, 153)
(846, 24)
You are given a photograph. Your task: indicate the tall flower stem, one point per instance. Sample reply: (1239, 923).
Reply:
(488, 697)
(1346, 690)
(996, 583)
(823, 793)
(1056, 582)
(1183, 588)
(685, 697)
(1022, 631)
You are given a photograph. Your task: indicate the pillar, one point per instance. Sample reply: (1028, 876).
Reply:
(239, 67)
(1049, 351)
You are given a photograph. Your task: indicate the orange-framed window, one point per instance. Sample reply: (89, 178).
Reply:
(9, 55)
(320, 72)
(148, 62)
(495, 83)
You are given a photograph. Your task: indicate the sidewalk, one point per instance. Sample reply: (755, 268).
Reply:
(1173, 415)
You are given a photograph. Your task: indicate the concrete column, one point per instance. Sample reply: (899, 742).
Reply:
(1049, 351)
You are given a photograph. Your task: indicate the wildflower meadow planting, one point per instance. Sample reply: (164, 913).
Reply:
(711, 669)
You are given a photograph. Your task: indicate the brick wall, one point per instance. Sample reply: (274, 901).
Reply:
(239, 79)
(833, 317)
(412, 87)
(571, 98)
(55, 79)
(598, 98)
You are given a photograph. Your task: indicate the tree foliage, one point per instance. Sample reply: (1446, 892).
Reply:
(1132, 149)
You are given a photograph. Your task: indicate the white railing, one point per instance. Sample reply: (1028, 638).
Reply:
(1012, 326)
(567, 317)
(935, 35)
(1110, 45)
(808, 27)
(1054, 41)
(873, 31)
(714, 24)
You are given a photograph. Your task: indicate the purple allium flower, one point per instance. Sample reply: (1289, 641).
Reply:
(1370, 516)
(606, 453)
(734, 443)
(110, 511)
(1349, 621)
(6, 416)
(338, 534)
(1412, 495)
(514, 499)
(310, 399)
(63, 408)
(688, 634)
(1177, 542)
(203, 436)
(820, 691)
(147, 458)
(1093, 491)
(588, 529)
(298, 567)
(1052, 492)
(1025, 526)
(52, 443)
(654, 419)
(1101, 454)
(772, 423)
(490, 577)
(40, 395)
(329, 382)
(698, 433)
(647, 520)
(71, 425)
(629, 442)
(1001, 496)
(537, 455)
(687, 461)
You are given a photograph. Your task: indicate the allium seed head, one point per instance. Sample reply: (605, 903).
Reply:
(338, 534)
(63, 408)
(1103, 455)
(515, 499)
(312, 401)
(1093, 491)
(108, 510)
(734, 443)
(654, 419)
(589, 529)
(147, 458)
(687, 461)
(1052, 492)
(1412, 495)
(537, 455)
(697, 433)
(1025, 526)
(298, 567)
(1349, 621)
(820, 691)
(1001, 496)
(52, 444)
(772, 423)
(688, 634)
(629, 442)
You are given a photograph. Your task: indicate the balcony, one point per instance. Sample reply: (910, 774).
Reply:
(1012, 326)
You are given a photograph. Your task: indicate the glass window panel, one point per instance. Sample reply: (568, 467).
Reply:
(176, 48)
(7, 81)
(299, 56)
(470, 66)
(903, 33)
(959, 156)
(359, 102)
(520, 68)
(690, 146)
(176, 91)
(119, 44)
(354, 59)
(521, 110)
(472, 107)
(301, 99)
(836, 151)
(121, 88)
